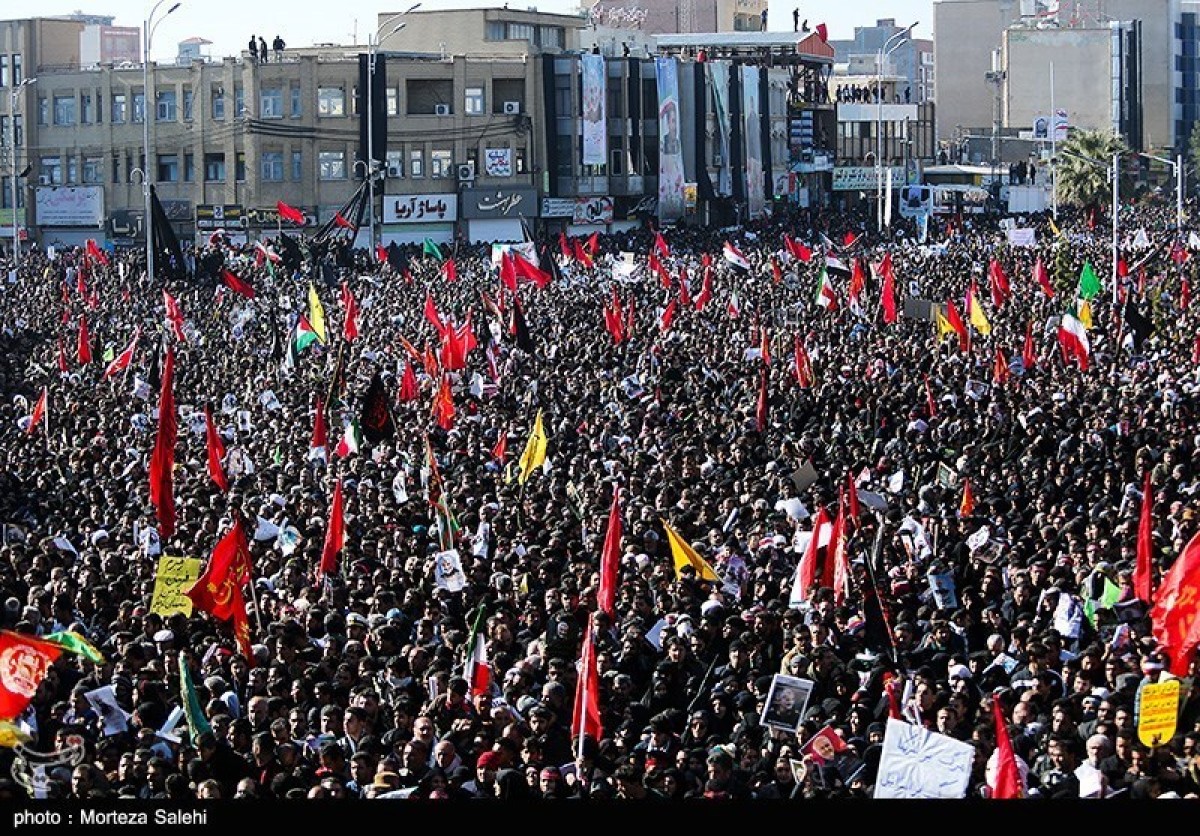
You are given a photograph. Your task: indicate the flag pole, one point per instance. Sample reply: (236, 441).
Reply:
(583, 712)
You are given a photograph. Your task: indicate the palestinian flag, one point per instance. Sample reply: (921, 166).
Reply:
(303, 334)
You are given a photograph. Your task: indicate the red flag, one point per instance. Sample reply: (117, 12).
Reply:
(776, 271)
(823, 32)
(350, 326)
(1122, 268)
(39, 412)
(443, 405)
(610, 559)
(381, 254)
(320, 433)
(1185, 294)
(685, 291)
(431, 363)
(998, 284)
(656, 267)
(62, 356)
(613, 319)
(1178, 253)
(585, 719)
(889, 291)
(216, 451)
(83, 350)
(527, 270)
(174, 316)
(335, 534)
(500, 450)
(237, 285)
(706, 289)
(893, 698)
(1029, 353)
(508, 272)
(930, 403)
(432, 315)
(957, 324)
(765, 347)
(1000, 370)
(1042, 278)
(80, 286)
(1008, 776)
(852, 497)
(858, 280)
(95, 252)
(660, 245)
(564, 246)
(802, 365)
(449, 270)
(593, 244)
(796, 249)
(1175, 606)
(966, 507)
(849, 238)
(218, 591)
(290, 213)
(806, 572)
(341, 221)
(1143, 577)
(668, 316)
(162, 460)
(26, 663)
(760, 412)
(121, 362)
(581, 256)
(408, 384)
(837, 561)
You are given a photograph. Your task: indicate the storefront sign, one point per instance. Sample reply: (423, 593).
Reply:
(420, 208)
(485, 204)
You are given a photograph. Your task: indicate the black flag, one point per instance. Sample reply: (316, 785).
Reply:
(168, 255)
(291, 256)
(1139, 326)
(376, 419)
(519, 329)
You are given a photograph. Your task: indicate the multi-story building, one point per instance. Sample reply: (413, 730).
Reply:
(910, 58)
(684, 17)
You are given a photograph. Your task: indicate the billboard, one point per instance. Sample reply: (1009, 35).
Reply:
(670, 146)
(752, 131)
(69, 205)
(595, 95)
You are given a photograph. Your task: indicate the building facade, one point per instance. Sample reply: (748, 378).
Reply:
(912, 58)
(685, 17)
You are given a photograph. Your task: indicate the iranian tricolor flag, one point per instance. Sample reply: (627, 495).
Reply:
(351, 441)
(826, 298)
(479, 672)
(1073, 339)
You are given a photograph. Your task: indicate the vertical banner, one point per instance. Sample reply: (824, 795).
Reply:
(718, 78)
(887, 200)
(752, 130)
(595, 133)
(670, 148)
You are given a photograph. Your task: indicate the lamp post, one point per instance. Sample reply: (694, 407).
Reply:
(884, 52)
(147, 102)
(1176, 168)
(1114, 173)
(372, 44)
(12, 151)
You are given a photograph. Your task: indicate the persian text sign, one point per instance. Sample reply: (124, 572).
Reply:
(175, 574)
(917, 763)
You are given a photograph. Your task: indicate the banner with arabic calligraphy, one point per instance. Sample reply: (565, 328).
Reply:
(595, 134)
(718, 79)
(497, 162)
(420, 208)
(670, 148)
(752, 131)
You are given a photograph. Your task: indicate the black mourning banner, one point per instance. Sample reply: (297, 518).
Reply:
(376, 419)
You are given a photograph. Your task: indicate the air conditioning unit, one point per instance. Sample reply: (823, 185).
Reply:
(442, 109)
(44, 179)
(717, 161)
(393, 171)
(512, 108)
(466, 172)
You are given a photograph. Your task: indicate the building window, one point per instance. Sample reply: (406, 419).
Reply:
(271, 103)
(85, 109)
(52, 171)
(43, 110)
(239, 166)
(297, 101)
(416, 163)
(4, 75)
(166, 109)
(118, 108)
(189, 100)
(16, 70)
(519, 154)
(440, 163)
(272, 166)
(473, 101)
(494, 30)
(19, 129)
(393, 101)
(116, 169)
(239, 102)
(214, 168)
(331, 101)
(64, 110)
(189, 168)
(93, 170)
(520, 32)
(168, 168)
(72, 170)
(139, 107)
(297, 165)
(551, 36)
(331, 165)
(395, 164)
(218, 103)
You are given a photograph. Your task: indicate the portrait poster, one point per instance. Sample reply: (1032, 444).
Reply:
(786, 702)
(718, 79)
(670, 146)
(752, 131)
(595, 135)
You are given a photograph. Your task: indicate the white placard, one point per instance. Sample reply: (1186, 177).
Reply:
(70, 206)
(917, 763)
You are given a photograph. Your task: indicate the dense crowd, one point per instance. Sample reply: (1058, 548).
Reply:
(359, 685)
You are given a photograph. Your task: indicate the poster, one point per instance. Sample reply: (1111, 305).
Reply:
(752, 131)
(718, 78)
(497, 162)
(917, 763)
(670, 148)
(786, 703)
(174, 575)
(1157, 711)
(448, 571)
(595, 134)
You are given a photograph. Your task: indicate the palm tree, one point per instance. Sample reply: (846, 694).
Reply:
(1081, 182)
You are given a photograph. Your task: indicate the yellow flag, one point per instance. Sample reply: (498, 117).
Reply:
(535, 450)
(11, 735)
(1084, 313)
(685, 555)
(1054, 227)
(316, 313)
(978, 320)
(944, 328)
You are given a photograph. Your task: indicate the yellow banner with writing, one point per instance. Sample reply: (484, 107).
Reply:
(1157, 712)
(175, 574)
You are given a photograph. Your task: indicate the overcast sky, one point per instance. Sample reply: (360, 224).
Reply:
(230, 23)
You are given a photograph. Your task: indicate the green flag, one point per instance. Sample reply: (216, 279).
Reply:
(77, 644)
(1109, 597)
(1089, 282)
(196, 720)
(430, 247)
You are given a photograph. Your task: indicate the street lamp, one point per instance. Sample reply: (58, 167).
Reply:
(372, 44)
(884, 52)
(1114, 174)
(148, 102)
(1177, 167)
(12, 152)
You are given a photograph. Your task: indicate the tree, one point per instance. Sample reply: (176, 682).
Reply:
(1193, 149)
(1085, 184)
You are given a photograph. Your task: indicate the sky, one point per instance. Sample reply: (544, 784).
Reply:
(229, 23)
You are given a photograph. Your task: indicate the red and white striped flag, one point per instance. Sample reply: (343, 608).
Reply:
(734, 256)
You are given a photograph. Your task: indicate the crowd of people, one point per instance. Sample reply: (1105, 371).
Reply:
(358, 685)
